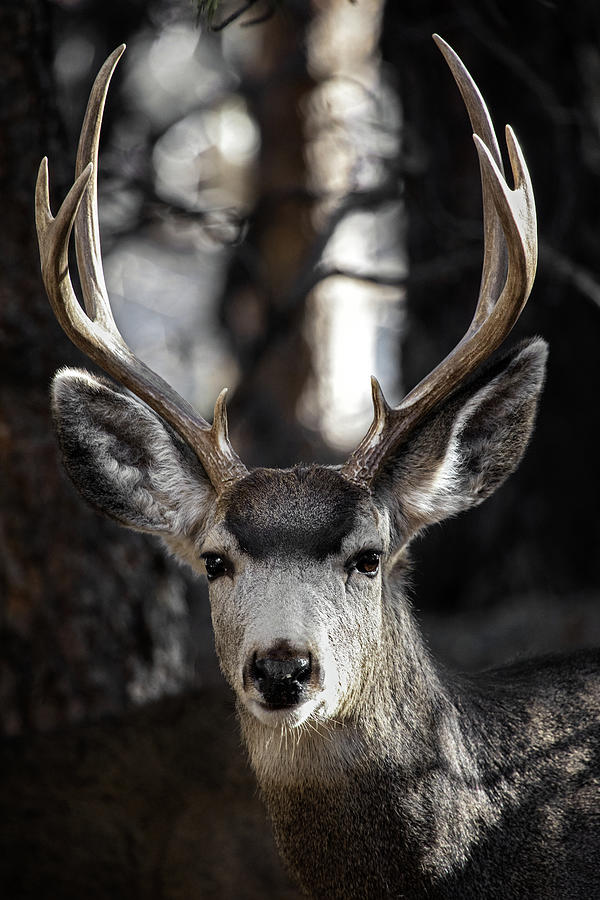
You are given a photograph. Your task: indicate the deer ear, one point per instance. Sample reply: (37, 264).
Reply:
(124, 460)
(468, 447)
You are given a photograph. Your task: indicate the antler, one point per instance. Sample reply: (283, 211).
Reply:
(509, 231)
(94, 330)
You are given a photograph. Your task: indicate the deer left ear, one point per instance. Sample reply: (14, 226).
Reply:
(468, 447)
(125, 461)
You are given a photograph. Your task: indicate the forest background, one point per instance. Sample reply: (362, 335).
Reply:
(288, 205)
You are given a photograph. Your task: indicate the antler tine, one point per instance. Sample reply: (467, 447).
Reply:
(94, 330)
(510, 234)
(87, 229)
(494, 248)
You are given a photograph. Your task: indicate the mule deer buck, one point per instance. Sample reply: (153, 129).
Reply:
(383, 776)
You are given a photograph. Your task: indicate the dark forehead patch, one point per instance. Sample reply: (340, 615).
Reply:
(308, 510)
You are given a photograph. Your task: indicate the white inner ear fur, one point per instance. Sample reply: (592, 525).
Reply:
(439, 493)
(184, 496)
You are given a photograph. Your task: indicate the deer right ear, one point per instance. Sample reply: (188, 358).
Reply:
(465, 450)
(124, 460)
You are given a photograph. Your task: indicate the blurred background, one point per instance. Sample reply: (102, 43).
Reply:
(289, 203)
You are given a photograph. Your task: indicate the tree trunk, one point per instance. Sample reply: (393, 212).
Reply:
(537, 67)
(263, 303)
(93, 617)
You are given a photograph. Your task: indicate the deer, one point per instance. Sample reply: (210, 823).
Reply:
(383, 774)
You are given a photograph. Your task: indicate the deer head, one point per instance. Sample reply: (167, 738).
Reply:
(304, 564)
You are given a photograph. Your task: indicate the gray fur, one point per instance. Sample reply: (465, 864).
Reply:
(262, 525)
(387, 779)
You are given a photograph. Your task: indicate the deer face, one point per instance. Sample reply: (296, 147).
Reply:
(294, 566)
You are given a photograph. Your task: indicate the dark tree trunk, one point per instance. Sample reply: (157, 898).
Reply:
(92, 616)
(264, 300)
(537, 66)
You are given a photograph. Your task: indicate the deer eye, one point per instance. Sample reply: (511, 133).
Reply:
(216, 565)
(367, 562)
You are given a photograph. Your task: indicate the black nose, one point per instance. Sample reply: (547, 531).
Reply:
(281, 680)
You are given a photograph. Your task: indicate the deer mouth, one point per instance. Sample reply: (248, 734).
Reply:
(291, 715)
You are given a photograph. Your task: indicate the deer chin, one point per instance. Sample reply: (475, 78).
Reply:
(290, 716)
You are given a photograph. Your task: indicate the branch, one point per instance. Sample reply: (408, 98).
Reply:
(322, 274)
(308, 275)
(207, 10)
(424, 273)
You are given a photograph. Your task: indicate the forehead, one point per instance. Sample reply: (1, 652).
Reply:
(305, 510)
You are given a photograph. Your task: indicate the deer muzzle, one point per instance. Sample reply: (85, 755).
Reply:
(281, 677)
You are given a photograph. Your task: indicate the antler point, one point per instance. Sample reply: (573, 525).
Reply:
(42, 191)
(380, 404)
(219, 425)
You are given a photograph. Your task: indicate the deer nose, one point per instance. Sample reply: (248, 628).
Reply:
(281, 677)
